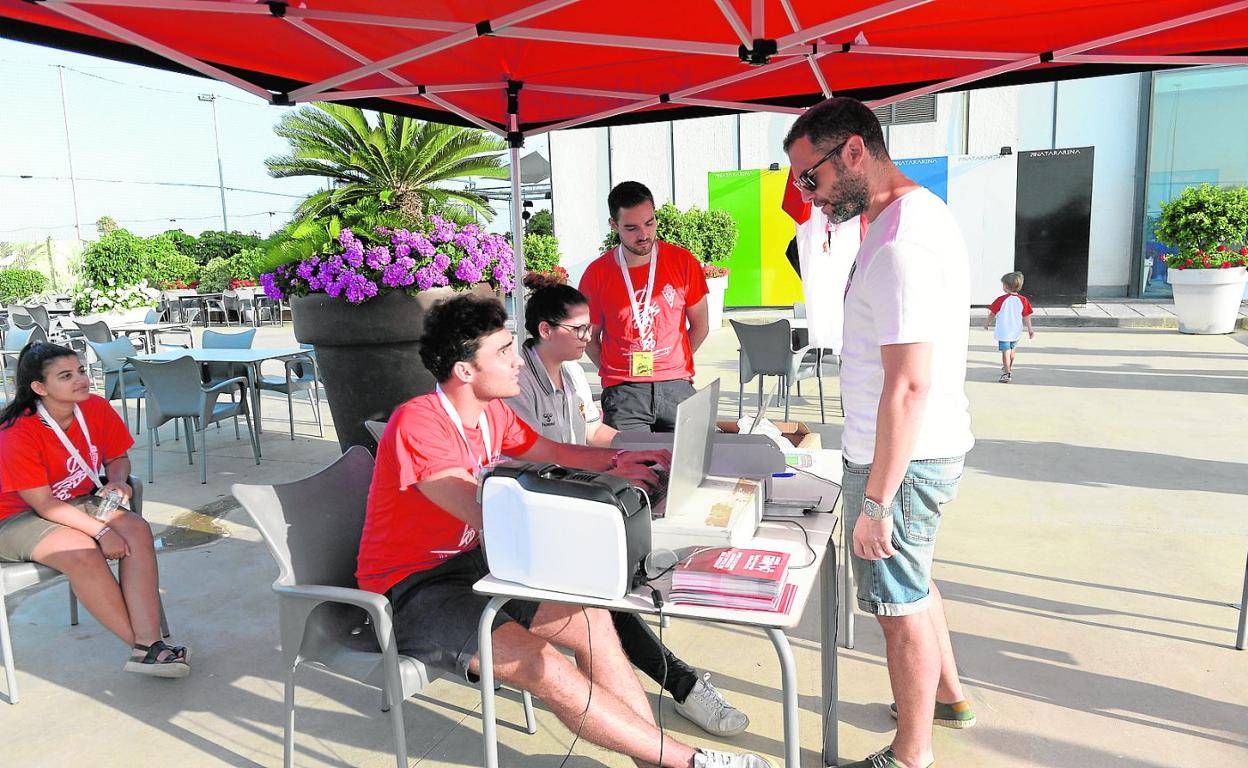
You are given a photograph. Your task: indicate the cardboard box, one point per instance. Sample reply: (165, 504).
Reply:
(795, 432)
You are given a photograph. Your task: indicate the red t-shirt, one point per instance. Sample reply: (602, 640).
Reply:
(405, 532)
(995, 306)
(678, 284)
(31, 456)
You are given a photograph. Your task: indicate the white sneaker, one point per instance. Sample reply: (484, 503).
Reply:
(709, 710)
(709, 758)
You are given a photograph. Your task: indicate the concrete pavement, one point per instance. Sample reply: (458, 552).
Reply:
(1088, 569)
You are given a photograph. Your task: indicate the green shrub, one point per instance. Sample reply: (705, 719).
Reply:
(246, 264)
(222, 245)
(117, 259)
(215, 276)
(169, 265)
(1203, 218)
(541, 252)
(540, 223)
(20, 284)
(709, 235)
(183, 242)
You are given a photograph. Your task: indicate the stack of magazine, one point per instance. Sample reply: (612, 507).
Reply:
(726, 577)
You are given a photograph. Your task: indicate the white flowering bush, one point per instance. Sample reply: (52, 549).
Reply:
(109, 297)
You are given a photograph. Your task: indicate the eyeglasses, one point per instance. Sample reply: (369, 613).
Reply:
(805, 181)
(581, 331)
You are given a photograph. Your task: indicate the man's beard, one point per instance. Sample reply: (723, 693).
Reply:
(850, 198)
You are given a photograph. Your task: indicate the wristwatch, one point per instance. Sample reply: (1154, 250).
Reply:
(874, 510)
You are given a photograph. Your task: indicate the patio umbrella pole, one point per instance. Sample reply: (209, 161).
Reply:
(515, 140)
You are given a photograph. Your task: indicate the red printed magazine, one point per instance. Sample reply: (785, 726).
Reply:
(723, 577)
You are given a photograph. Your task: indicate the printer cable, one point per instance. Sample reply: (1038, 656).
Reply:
(589, 641)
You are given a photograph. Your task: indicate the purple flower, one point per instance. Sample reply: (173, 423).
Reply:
(353, 254)
(443, 230)
(402, 250)
(441, 261)
(268, 282)
(421, 245)
(346, 237)
(399, 274)
(377, 257)
(306, 269)
(358, 288)
(468, 271)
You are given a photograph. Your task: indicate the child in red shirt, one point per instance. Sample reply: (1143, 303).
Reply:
(48, 513)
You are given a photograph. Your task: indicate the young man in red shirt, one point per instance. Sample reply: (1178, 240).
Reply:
(421, 546)
(647, 302)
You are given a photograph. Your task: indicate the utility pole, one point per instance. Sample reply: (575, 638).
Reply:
(211, 98)
(69, 152)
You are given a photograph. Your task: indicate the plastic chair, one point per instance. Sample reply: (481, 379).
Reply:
(1242, 635)
(121, 380)
(39, 314)
(766, 350)
(312, 528)
(219, 340)
(153, 316)
(300, 376)
(97, 332)
(376, 429)
(15, 577)
(174, 391)
(14, 341)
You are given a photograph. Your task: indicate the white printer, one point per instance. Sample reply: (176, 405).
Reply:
(565, 530)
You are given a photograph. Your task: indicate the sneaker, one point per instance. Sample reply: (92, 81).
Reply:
(710, 758)
(956, 715)
(1005, 378)
(706, 707)
(882, 759)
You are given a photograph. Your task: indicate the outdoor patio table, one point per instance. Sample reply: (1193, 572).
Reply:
(149, 330)
(772, 534)
(250, 358)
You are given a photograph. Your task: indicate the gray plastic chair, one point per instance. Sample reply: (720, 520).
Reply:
(153, 316)
(300, 376)
(219, 340)
(98, 332)
(767, 350)
(14, 341)
(14, 577)
(376, 429)
(22, 321)
(312, 528)
(121, 380)
(1242, 635)
(39, 314)
(174, 391)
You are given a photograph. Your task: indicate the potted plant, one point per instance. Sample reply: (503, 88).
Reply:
(360, 298)
(1208, 227)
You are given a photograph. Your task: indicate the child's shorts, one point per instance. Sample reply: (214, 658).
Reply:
(1002, 346)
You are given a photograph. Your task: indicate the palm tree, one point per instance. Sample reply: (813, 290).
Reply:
(400, 160)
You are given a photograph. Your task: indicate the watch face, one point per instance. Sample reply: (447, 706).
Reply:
(873, 510)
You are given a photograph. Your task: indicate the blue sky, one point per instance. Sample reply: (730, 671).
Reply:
(142, 150)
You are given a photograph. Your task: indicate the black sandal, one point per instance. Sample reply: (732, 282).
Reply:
(173, 663)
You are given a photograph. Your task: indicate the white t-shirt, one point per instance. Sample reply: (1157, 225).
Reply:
(910, 284)
(574, 380)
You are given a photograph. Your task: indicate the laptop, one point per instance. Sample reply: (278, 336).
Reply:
(691, 449)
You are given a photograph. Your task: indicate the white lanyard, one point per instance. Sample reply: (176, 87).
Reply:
(641, 314)
(482, 423)
(92, 472)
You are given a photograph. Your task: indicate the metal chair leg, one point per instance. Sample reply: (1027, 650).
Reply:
(6, 647)
(1243, 613)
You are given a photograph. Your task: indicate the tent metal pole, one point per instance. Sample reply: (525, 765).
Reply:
(517, 240)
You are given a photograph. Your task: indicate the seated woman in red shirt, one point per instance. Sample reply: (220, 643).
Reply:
(48, 508)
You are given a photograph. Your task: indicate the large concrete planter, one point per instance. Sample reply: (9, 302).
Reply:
(368, 355)
(116, 317)
(1207, 300)
(716, 286)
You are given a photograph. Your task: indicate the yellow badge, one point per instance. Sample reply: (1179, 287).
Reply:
(641, 364)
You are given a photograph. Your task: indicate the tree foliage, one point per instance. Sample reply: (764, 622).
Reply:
(541, 253)
(1204, 217)
(708, 235)
(540, 223)
(398, 160)
(20, 284)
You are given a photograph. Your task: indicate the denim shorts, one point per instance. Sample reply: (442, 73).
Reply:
(1003, 346)
(898, 585)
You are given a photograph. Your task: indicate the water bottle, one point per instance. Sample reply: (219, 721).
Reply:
(111, 501)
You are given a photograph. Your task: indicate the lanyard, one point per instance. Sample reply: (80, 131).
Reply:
(92, 472)
(641, 314)
(482, 423)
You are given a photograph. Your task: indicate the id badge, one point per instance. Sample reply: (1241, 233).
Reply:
(641, 364)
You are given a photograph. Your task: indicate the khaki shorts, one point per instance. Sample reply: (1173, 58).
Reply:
(21, 533)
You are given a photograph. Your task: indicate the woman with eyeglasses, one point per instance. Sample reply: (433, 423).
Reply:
(56, 440)
(555, 400)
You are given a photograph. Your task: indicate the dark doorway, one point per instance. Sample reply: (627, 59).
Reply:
(1053, 224)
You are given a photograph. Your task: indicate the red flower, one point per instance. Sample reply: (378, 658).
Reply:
(1184, 265)
(1221, 249)
(1243, 251)
(1205, 263)
(1187, 263)
(1227, 265)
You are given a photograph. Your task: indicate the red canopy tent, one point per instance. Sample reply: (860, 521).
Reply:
(524, 67)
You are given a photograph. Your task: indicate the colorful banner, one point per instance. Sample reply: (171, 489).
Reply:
(759, 274)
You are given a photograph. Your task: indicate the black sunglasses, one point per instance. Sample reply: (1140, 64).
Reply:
(805, 180)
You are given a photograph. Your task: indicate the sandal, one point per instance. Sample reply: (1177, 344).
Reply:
(159, 660)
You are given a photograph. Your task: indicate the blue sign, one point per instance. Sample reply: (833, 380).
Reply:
(931, 172)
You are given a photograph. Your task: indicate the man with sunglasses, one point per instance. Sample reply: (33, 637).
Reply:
(907, 422)
(647, 302)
